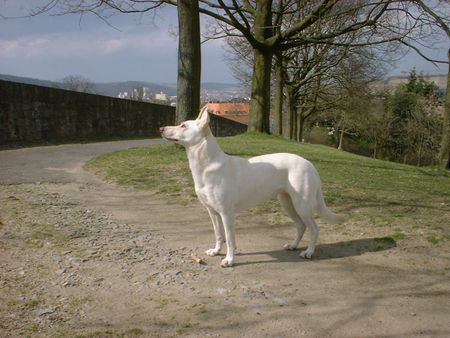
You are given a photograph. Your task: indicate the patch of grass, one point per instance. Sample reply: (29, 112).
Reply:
(389, 194)
(31, 304)
(432, 239)
(77, 301)
(397, 234)
(384, 243)
(161, 168)
(45, 232)
(183, 328)
(31, 328)
(98, 333)
(134, 332)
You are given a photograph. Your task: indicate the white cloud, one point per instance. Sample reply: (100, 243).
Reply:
(22, 47)
(137, 52)
(83, 43)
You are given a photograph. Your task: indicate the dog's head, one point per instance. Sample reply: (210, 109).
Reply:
(189, 132)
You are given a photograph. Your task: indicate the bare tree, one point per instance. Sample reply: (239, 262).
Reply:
(76, 83)
(270, 27)
(239, 57)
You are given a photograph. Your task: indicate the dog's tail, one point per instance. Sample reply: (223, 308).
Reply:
(326, 213)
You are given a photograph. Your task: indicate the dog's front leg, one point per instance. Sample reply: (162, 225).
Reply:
(228, 225)
(218, 232)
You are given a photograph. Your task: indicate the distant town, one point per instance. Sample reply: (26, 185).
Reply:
(230, 94)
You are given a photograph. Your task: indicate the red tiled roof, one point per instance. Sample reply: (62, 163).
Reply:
(236, 111)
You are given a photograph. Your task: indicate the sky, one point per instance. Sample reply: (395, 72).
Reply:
(139, 48)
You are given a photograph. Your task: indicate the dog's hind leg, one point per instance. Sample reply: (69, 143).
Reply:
(288, 207)
(304, 208)
(313, 234)
(218, 232)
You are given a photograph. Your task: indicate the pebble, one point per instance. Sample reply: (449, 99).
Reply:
(280, 301)
(221, 291)
(46, 311)
(59, 272)
(98, 281)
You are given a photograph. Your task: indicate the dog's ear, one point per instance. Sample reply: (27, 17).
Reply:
(203, 119)
(205, 108)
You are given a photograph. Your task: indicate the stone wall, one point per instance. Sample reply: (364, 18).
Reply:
(221, 126)
(31, 114)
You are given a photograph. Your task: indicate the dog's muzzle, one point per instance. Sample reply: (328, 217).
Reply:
(161, 130)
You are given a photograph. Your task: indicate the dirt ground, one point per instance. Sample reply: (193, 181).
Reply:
(81, 257)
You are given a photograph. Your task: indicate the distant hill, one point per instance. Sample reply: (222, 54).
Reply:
(392, 82)
(28, 80)
(114, 88)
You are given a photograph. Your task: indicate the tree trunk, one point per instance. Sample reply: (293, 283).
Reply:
(260, 98)
(262, 67)
(288, 130)
(444, 154)
(301, 125)
(279, 83)
(294, 119)
(341, 138)
(189, 61)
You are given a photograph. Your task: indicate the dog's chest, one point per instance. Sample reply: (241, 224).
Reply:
(208, 193)
(209, 182)
(202, 196)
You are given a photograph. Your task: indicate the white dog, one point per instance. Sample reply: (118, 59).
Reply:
(226, 185)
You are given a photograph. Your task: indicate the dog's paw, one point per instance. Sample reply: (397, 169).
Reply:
(289, 247)
(226, 262)
(212, 252)
(306, 254)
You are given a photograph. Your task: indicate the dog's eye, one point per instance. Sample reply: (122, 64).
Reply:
(183, 125)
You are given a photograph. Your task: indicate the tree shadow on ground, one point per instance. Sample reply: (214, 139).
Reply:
(328, 251)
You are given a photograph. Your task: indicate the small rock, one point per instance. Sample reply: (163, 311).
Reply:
(280, 301)
(98, 281)
(59, 272)
(75, 261)
(221, 291)
(42, 312)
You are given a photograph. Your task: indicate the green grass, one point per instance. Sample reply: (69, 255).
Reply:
(432, 239)
(31, 304)
(389, 194)
(398, 234)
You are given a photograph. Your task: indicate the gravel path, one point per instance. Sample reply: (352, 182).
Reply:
(56, 164)
(80, 257)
